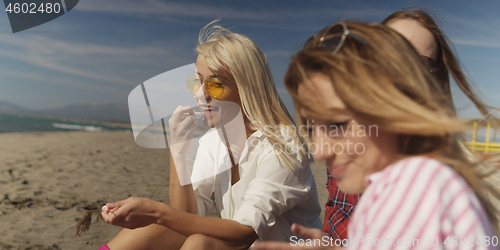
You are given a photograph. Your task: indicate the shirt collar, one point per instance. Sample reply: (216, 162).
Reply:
(257, 135)
(373, 177)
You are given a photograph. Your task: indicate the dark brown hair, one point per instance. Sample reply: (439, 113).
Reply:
(446, 60)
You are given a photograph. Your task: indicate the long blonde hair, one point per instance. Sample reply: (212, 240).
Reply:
(380, 78)
(238, 58)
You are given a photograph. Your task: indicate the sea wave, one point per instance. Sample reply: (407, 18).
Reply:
(77, 127)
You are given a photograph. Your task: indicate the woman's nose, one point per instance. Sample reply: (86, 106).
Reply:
(322, 146)
(202, 94)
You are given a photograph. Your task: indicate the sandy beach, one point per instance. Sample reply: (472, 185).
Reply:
(49, 180)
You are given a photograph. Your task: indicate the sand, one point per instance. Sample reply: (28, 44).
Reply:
(49, 180)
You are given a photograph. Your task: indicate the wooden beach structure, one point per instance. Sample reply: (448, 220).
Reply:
(490, 145)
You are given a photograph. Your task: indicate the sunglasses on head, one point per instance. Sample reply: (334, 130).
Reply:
(214, 86)
(332, 38)
(430, 63)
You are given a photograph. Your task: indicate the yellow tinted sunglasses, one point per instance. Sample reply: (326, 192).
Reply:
(214, 86)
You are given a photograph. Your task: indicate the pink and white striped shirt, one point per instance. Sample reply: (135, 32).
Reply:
(421, 203)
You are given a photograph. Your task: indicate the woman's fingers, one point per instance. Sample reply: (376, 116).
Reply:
(109, 215)
(115, 205)
(131, 213)
(307, 233)
(182, 122)
(299, 230)
(179, 112)
(110, 210)
(187, 123)
(272, 245)
(191, 121)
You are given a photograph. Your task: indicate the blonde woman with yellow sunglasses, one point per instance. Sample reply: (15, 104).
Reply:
(266, 188)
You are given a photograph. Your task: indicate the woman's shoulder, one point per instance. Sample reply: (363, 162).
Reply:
(210, 137)
(426, 193)
(423, 163)
(422, 192)
(209, 134)
(419, 174)
(417, 167)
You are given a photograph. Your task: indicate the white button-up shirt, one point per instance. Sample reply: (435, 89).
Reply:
(268, 197)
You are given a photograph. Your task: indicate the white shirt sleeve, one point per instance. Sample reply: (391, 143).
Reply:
(203, 189)
(274, 190)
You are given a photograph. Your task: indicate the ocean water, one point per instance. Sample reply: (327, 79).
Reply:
(28, 123)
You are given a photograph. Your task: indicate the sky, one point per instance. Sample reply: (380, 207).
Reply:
(101, 50)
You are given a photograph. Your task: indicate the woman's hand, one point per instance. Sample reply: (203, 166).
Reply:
(299, 230)
(182, 125)
(132, 213)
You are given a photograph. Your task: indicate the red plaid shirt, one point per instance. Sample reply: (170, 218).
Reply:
(339, 208)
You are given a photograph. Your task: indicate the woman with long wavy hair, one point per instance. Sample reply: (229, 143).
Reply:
(376, 116)
(422, 31)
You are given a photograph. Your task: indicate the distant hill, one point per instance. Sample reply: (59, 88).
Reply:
(104, 112)
(6, 107)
